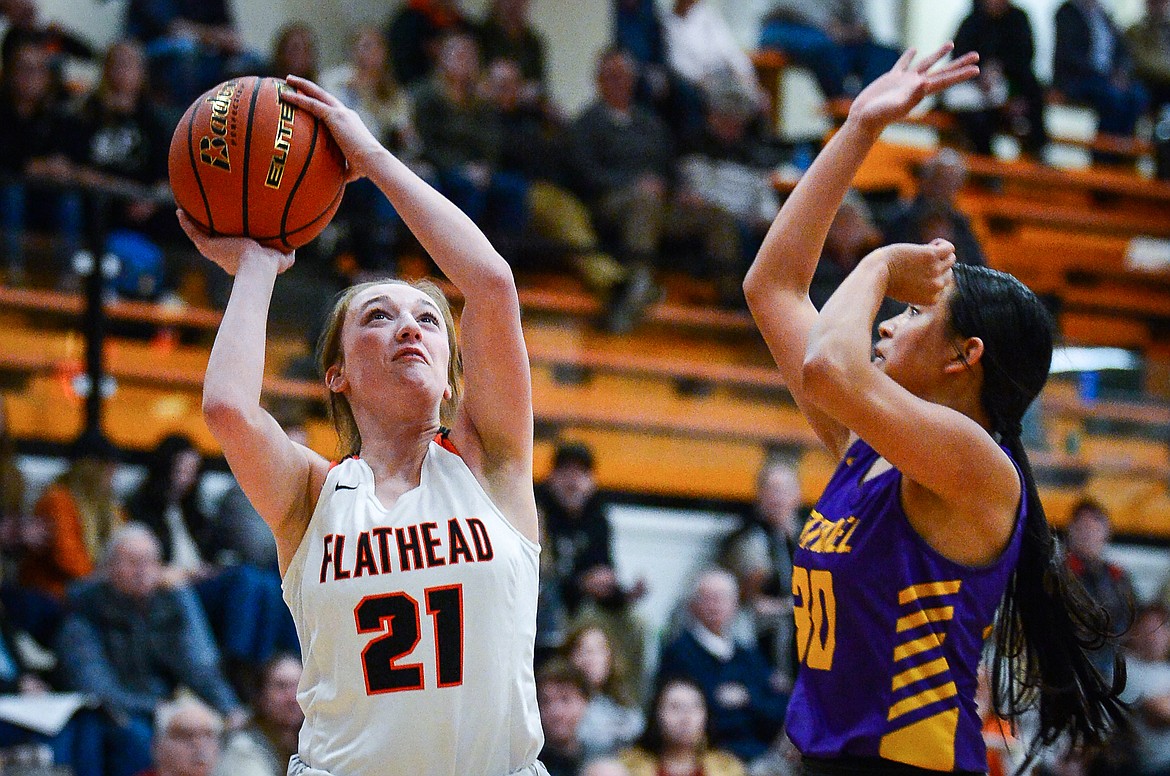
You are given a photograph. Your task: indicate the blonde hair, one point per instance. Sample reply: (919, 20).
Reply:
(329, 353)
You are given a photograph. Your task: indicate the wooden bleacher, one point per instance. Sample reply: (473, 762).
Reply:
(673, 410)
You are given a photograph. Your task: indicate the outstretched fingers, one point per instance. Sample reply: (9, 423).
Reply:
(933, 59)
(904, 61)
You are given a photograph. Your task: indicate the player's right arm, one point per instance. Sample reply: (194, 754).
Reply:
(280, 477)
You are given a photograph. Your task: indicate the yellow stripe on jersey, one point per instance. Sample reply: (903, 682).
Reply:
(928, 743)
(923, 616)
(928, 589)
(918, 673)
(924, 698)
(919, 645)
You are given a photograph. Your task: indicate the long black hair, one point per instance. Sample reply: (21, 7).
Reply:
(1047, 622)
(653, 738)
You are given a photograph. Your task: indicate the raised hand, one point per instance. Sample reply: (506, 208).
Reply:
(894, 94)
(229, 252)
(352, 135)
(918, 274)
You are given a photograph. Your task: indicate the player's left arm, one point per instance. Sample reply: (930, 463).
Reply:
(494, 425)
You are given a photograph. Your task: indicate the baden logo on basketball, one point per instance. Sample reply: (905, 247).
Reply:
(214, 150)
(284, 131)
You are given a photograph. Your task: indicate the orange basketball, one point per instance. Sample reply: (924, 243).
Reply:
(245, 163)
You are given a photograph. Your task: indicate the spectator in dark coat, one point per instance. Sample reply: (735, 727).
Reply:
(35, 170)
(933, 214)
(415, 33)
(1109, 585)
(746, 710)
(1007, 93)
(130, 642)
(1092, 63)
(625, 165)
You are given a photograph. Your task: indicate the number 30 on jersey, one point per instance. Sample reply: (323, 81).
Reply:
(815, 613)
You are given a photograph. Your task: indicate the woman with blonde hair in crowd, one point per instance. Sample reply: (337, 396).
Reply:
(612, 720)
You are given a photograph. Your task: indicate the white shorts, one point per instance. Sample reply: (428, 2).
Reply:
(298, 768)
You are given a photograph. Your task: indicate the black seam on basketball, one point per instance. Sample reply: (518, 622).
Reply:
(248, 150)
(308, 225)
(293, 191)
(195, 170)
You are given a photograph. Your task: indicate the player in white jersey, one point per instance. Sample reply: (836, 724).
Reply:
(410, 567)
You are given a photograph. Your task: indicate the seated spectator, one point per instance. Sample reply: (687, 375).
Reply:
(1088, 534)
(77, 745)
(578, 538)
(186, 739)
(625, 166)
(131, 642)
(263, 747)
(507, 34)
(534, 147)
(25, 25)
(758, 554)
(1149, 40)
(679, 734)
(1092, 64)
(119, 142)
(243, 604)
(703, 50)
(295, 52)
(1147, 690)
(1007, 93)
(830, 38)
(728, 168)
(563, 695)
(366, 84)
(639, 31)
(416, 32)
(612, 720)
(35, 171)
(933, 214)
(746, 710)
(192, 45)
(462, 139)
(852, 235)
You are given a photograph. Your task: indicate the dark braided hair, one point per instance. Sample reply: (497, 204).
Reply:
(1047, 621)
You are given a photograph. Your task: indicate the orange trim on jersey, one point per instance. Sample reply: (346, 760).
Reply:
(443, 440)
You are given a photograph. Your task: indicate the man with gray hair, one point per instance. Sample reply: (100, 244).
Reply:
(131, 642)
(745, 708)
(187, 735)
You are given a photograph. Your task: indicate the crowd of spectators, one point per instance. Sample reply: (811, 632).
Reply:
(670, 163)
(166, 611)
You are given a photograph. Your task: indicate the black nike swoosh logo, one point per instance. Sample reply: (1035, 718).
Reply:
(339, 486)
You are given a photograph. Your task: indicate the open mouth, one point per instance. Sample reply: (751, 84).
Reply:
(410, 354)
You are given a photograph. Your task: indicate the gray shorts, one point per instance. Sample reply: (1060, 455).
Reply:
(298, 768)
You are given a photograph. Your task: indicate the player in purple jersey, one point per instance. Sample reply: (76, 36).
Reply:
(931, 530)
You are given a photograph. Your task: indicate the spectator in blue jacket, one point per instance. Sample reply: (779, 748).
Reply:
(746, 709)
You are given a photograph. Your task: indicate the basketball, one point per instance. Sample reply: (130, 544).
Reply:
(245, 163)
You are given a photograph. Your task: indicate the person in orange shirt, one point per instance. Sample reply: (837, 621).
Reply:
(76, 515)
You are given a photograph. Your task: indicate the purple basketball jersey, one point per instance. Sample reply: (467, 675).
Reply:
(889, 632)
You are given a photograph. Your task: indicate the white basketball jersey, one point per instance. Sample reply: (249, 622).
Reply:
(417, 628)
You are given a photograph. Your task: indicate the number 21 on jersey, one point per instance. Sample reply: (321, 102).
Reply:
(396, 617)
(814, 608)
